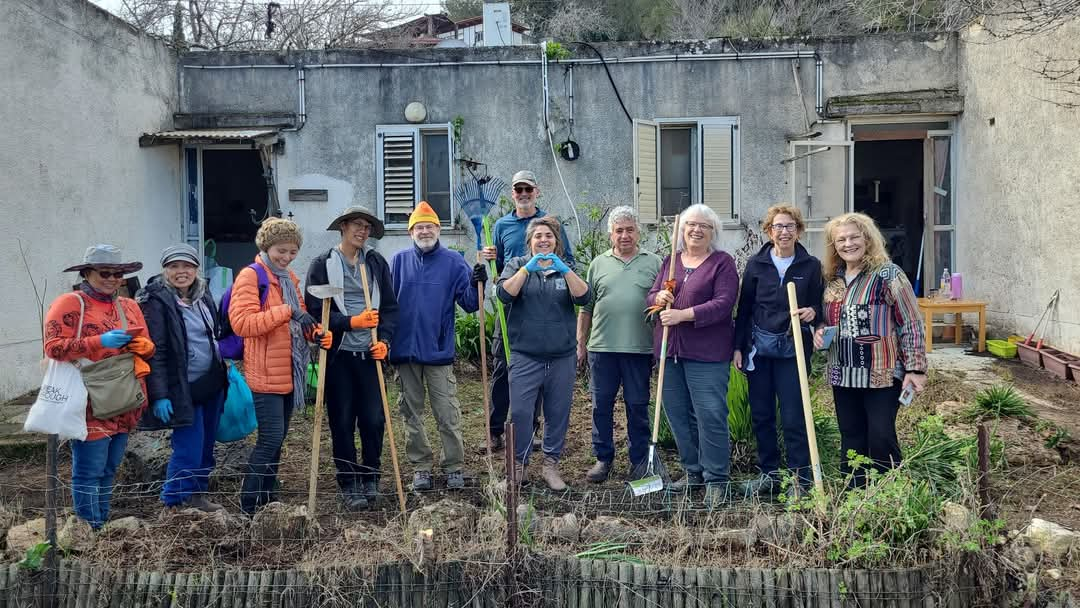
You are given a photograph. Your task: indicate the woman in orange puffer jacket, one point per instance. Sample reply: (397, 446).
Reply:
(276, 353)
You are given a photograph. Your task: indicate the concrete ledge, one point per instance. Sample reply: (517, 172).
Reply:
(937, 101)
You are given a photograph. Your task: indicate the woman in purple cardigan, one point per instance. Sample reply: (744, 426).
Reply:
(700, 345)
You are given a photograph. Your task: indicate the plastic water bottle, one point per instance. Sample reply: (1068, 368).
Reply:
(945, 288)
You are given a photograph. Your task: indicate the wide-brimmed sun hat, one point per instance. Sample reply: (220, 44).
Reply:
(359, 211)
(104, 255)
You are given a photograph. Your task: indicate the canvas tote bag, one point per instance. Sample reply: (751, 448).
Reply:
(110, 383)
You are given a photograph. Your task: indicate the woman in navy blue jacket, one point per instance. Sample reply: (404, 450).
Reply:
(764, 345)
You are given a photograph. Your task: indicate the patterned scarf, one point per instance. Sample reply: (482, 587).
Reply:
(301, 354)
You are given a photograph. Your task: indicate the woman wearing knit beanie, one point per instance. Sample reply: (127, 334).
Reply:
(275, 329)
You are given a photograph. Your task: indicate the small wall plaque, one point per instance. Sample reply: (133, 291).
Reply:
(313, 196)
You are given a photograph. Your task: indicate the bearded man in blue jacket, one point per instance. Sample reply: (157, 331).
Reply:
(428, 280)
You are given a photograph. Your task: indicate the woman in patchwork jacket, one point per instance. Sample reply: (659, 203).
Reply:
(880, 345)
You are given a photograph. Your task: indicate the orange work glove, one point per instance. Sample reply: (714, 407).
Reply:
(142, 368)
(141, 346)
(324, 338)
(379, 350)
(365, 320)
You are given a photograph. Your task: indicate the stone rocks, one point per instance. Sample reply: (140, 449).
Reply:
(611, 529)
(564, 529)
(1049, 539)
(950, 408)
(281, 523)
(126, 524)
(74, 535)
(448, 518)
(780, 529)
(956, 518)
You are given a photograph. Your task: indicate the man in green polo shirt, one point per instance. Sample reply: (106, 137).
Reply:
(613, 336)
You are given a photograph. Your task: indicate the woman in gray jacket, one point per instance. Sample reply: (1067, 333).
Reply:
(541, 291)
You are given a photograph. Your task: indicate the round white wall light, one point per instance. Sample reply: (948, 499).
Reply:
(415, 112)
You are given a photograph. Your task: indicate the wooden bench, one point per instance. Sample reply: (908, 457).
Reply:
(955, 307)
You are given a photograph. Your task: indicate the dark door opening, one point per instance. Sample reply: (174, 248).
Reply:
(889, 188)
(234, 199)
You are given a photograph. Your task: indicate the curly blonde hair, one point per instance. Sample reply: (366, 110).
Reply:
(276, 230)
(876, 256)
(782, 209)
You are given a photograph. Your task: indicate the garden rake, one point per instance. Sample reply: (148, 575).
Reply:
(651, 475)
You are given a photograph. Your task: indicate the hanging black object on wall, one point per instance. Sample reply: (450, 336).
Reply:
(570, 150)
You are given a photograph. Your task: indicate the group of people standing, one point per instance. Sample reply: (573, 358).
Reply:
(403, 312)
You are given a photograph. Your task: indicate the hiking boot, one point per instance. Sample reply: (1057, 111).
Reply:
(455, 480)
(353, 498)
(200, 502)
(765, 487)
(716, 494)
(599, 472)
(550, 473)
(371, 491)
(421, 481)
(496, 445)
(688, 482)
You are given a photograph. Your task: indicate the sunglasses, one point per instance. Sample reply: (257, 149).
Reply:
(105, 274)
(525, 189)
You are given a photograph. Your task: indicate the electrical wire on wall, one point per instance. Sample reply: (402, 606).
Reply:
(551, 140)
(611, 79)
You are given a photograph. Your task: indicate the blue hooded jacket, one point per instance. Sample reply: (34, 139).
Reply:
(427, 286)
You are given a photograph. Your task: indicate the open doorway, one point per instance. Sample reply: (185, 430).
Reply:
(234, 200)
(889, 188)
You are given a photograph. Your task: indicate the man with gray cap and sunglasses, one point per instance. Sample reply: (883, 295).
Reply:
(353, 400)
(508, 238)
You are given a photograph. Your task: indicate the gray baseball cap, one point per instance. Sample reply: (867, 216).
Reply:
(524, 177)
(182, 252)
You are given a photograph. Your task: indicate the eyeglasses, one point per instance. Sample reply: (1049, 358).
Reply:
(700, 225)
(525, 189)
(785, 227)
(105, 274)
(360, 225)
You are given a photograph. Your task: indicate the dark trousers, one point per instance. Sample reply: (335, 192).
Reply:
(867, 421)
(500, 392)
(771, 381)
(192, 458)
(354, 404)
(631, 372)
(272, 412)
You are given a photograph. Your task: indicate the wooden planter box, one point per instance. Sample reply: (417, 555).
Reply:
(1075, 367)
(1057, 362)
(1029, 355)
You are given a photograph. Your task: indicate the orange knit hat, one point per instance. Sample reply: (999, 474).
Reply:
(423, 213)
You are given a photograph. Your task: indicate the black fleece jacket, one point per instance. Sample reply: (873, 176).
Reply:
(763, 298)
(378, 270)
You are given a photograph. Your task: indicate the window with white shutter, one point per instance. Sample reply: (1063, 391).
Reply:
(680, 162)
(413, 164)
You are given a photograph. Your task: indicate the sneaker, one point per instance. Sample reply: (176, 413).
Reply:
(599, 472)
(689, 481)
(496, 445)
(716, 494)
(421, 481)
(550, 473)
(200, 502)
(455, 480)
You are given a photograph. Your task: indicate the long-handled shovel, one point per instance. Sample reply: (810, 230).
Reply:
(324, 293)
(382, 389)
(650, 475)
(804, 386)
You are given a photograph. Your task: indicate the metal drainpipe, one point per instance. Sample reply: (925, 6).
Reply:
(301, 103)
(819, 69)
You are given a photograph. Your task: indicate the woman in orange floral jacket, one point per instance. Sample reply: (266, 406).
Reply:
(87, 325)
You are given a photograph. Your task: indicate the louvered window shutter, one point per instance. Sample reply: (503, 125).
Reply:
(646, 170)
(398, 177)
(716, 169)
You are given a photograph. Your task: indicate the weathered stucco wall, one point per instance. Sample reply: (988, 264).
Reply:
(79, 88)
(1017, 189)
(501, 106)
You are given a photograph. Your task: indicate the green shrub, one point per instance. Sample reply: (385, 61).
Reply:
(740, 429)
(467, 334)
(999, 401)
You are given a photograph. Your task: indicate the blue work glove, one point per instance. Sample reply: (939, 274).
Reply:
(557, 263)
(116, 338)
(534, 264)
(163, 410)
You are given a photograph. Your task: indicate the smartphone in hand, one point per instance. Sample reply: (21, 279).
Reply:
(907, 394)
(828, 336)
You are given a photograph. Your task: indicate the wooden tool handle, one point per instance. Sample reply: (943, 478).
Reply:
(804, 386)
(316, 425)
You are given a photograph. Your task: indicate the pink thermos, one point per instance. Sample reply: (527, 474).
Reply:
(957, 286)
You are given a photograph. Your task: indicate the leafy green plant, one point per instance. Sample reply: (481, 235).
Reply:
(457, 124)
(594, 234)
(980, 535)
(999, 401)
(525, 526)
(828, 441)
(35, 556)
(556, 51)
(938, 459)
(609, 550)
(467, 334)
